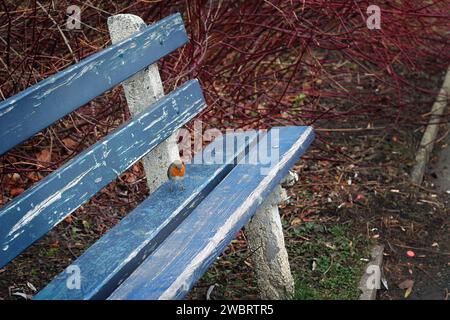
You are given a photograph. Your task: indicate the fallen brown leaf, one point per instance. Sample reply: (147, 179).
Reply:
(44, 156)
(16, 191)
(34, 176)
(406, 284)
(55, 244)
(69, 219)
(129, 177)
(69, 143)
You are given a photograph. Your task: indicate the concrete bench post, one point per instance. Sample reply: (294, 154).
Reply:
(142, 90)
(269, 256)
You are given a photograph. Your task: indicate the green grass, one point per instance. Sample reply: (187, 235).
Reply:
(51, 252)
(335, 249)
(328, 265)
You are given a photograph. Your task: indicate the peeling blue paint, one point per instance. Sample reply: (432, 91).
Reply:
(37, 107)
(37, 210)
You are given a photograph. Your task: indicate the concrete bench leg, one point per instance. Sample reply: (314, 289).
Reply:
(142, 90)
(266, 242)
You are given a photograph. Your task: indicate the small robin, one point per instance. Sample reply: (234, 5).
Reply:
(176, 172)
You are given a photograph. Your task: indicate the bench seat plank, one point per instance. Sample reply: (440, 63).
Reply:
(35, 108)
(120, 251)
(36, 211)
(185, 255)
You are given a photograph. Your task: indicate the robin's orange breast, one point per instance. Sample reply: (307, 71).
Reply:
(177, 172)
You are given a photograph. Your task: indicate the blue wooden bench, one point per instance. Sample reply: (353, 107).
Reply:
(160, 249)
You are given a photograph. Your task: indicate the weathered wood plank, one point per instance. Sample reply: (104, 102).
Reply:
(37, 107)
(36, 211)
(185, 255)
(112, 258)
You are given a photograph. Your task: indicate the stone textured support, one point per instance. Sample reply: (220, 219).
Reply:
(266, 242)
(142, 90)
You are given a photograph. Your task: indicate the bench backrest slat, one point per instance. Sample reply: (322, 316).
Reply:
(35, 108)
(36, 211)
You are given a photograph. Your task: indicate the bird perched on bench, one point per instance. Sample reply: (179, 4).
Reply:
(175, 173)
